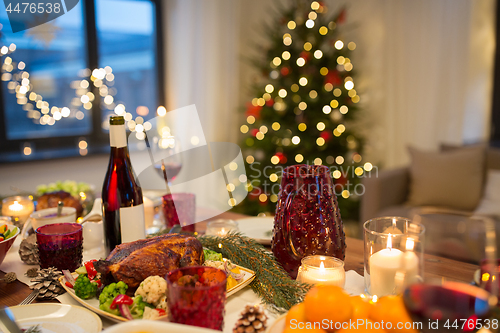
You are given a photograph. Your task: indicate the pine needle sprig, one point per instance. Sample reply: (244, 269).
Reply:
(272, 284)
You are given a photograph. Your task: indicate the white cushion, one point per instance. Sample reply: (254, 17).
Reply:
(490, 204)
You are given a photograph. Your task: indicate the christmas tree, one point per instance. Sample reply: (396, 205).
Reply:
(304, 108)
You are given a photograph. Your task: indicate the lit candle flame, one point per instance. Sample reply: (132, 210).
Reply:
(322, 267)
(410, 244)
(389, 242)
(16, 206)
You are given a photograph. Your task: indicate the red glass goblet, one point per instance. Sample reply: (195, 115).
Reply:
(196, 296)
(180, 208)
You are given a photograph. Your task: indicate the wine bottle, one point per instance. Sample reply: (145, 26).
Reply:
(123, 209)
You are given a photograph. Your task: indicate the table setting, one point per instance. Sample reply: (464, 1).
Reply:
(231, 273)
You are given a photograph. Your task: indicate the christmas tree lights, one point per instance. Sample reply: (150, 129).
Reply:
(304, 107)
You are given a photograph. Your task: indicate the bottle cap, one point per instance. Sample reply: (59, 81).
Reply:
(116, 120)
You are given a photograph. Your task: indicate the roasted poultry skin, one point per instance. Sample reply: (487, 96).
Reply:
(135, 261)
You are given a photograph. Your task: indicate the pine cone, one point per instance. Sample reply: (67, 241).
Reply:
(28, 250)
(9, 277)
(32, 272)
(48, 285)
(253, 319)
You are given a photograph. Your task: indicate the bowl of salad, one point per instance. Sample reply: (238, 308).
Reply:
(8, 234)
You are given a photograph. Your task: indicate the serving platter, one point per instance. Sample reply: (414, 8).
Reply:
(57, 318)
(93, 304)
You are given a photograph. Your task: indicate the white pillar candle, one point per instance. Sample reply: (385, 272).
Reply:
(384, 265)
(410, 262)
(322, 270)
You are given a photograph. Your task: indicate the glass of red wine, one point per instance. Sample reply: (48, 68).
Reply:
(441, 304)
(168, 158)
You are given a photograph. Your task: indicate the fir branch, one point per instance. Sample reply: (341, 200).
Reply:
(273, 285)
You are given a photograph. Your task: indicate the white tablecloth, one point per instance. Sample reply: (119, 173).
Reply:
(354, 285)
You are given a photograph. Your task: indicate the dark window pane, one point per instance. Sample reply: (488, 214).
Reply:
(54, 56)
(127, 43)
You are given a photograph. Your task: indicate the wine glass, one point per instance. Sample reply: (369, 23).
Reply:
(168, 159)
(441, 304)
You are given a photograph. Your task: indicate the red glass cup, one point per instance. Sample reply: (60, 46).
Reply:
(60, 245)
(180, 208)
(199, 303)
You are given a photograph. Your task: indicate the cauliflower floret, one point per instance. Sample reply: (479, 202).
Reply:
(152, 289)
(216, 264)
(162, 304)
(150, 314)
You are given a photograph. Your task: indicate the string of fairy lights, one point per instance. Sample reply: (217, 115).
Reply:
(42, 113)
(274, 97)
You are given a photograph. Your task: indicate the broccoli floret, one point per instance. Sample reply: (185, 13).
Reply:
(84, 288)
(106, 307)
(109, 293)
(137, 308)
(212, 255)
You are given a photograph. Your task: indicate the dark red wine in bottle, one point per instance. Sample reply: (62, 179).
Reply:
(123, 209)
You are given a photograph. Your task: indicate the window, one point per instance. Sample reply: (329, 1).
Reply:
(51, 106)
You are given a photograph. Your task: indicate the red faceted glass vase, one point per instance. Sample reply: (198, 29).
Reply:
(307, 220)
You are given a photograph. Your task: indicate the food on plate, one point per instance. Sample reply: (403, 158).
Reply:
(153, 314)
(212, 255)
(50, 200)
(214, 259)
(6, 233)
(133, 262)
(84, 288)
(332, 305)
(153, 291)
(70, 186)
(109, 293)
(137, 268)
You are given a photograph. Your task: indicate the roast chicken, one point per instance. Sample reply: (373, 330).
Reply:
(135, 261)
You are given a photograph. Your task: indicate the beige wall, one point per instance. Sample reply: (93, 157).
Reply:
(27, 175)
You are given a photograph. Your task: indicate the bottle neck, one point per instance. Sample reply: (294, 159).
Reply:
(117, 136)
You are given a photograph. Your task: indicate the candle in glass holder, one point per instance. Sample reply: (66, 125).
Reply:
(221, 227)
(18, 208)
(322, 270)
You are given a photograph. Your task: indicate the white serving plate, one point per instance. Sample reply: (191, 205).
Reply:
(150, 326)
(258, 228)
(93, 304)
(57, 318)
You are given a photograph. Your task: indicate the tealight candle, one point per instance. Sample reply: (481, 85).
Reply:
(221, 227)
(18, 208)
(322, 270)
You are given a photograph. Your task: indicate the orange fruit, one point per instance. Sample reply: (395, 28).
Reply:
(329, 303)
(361, 307)
(365, 326)
(296, 313)
(391, 309)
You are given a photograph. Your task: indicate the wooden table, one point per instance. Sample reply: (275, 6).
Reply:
(435, 267)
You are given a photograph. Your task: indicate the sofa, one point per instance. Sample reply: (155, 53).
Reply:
(451, 192)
